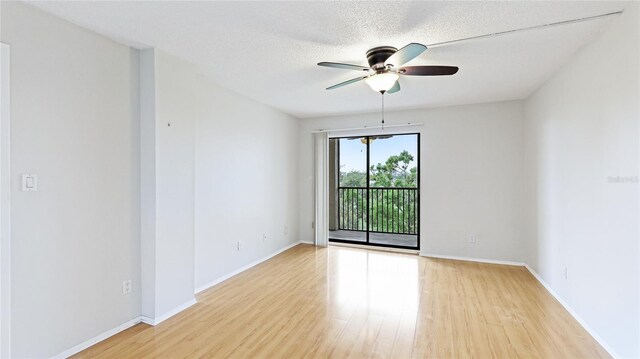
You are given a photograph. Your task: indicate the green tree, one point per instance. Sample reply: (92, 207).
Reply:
(391, 210)
(353, 178)
(395, 172)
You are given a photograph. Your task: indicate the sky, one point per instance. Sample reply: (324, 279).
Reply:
(353, 153)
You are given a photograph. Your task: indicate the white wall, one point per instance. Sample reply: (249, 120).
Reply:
(148, 183)
(77, 103)
(74, 100)
(175, 120)
(471, 176)
(216, 166)
(581, 130)
(246, 181)
(168, 117)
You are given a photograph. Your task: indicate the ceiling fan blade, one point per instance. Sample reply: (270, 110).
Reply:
(395, 88)
(343, 66)
(346, 83)
(405, 54)
(428, 70)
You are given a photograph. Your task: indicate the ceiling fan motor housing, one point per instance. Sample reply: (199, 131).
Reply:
(378, 55)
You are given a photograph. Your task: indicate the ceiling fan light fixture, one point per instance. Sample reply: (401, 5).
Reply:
(382, 82)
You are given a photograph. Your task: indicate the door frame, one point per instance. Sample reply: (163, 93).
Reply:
(367, 188)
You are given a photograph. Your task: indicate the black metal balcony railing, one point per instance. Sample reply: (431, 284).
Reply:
(391, 210)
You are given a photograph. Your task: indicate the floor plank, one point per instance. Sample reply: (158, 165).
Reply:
(344, 302)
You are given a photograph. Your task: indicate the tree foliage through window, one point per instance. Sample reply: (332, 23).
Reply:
(394, 172)
(392, 198)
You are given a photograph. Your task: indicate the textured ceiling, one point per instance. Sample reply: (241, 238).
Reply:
(268, 50)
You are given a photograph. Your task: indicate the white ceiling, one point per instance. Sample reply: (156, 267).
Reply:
(268, 50)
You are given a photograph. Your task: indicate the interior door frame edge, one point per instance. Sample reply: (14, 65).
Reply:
(5, 201)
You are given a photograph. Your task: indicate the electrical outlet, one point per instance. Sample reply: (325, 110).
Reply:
(473, 239)
(566, 273)
(286, 230)
(238, 246)
(264, 237)
(126, 287)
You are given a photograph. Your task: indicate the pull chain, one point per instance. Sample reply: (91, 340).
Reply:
(383, 110)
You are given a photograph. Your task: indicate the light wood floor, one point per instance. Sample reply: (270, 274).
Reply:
(345, 302)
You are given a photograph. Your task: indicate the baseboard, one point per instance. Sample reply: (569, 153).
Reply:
(244, 268)
(306, 242)
(169, 314)
(111, 332)
(98, 338)
(575, 315)
(470, 259)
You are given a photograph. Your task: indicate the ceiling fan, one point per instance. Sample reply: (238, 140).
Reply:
(386, 66)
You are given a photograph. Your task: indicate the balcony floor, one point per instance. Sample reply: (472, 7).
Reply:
(405, 240)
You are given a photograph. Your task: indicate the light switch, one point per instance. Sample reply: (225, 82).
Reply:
(29, 182)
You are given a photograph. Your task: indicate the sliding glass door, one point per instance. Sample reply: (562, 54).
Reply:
(374, 190)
